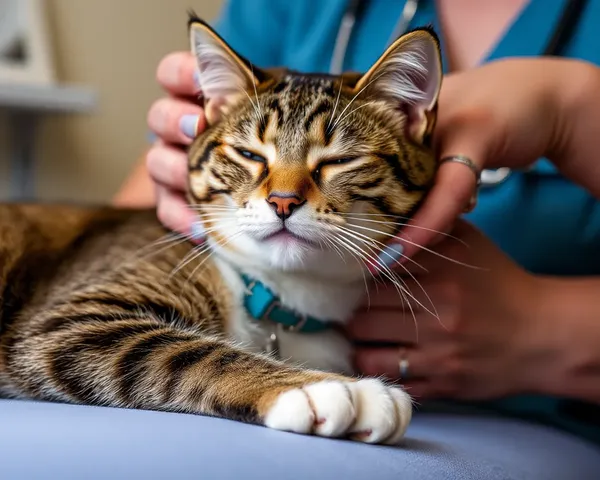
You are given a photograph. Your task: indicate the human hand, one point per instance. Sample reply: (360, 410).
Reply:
(507, 113)
(479, 346)
(176, 119)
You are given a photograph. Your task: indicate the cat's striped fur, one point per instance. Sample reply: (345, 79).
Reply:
(95, 308)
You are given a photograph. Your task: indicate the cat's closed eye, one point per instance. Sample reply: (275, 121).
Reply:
(341, 161)
(331, 162)
(255, 157)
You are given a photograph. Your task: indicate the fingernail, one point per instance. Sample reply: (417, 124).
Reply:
(189, 125)
(197, 79)
(391, 254)
(197, 231)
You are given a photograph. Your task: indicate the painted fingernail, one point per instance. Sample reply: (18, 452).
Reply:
(189, 125)
(391, 254)
(197, 231)
(197, 79)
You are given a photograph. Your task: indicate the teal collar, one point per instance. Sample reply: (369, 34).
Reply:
(262, 304)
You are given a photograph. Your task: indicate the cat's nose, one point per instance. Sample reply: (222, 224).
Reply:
(284, 204)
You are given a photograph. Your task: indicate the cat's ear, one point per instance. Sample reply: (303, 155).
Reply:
(409, 76)
(224, 75)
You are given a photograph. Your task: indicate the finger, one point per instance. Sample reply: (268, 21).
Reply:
(384, 296)
(175, 120)
(408, 293)
(438, 256)
(168, 165)
(176, 73)
(455, 183)
(407, 325)
(173, 213)
(420, 389)
(416, 292)
(397, 326)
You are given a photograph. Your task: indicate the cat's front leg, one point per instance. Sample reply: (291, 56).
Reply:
(147, 364)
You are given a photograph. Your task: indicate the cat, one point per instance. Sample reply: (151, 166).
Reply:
(299, 179)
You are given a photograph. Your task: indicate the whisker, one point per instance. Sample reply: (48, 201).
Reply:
(256, 95)
(355, 235)
(355, 97)
(407, 225)
(351, 112)
(193, 254)
(255, 107)
(218, 244)
(361, 262)
(357, 254)
(177, 240)
(335, 106)
(211, 207)
(420, 246)
(400, 288)
(373, 260)
(383, 246)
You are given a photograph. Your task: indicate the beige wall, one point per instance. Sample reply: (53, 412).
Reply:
(113, 46)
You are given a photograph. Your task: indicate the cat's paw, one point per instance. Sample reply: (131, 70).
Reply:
(365, 410)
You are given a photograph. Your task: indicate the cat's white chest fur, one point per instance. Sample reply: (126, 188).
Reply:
(327, 350)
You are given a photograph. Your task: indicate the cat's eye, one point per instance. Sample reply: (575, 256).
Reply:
(341, 161)
(332, 161)
(251, 155)
(336, 161)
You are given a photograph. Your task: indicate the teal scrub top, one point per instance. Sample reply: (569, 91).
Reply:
(540, 219)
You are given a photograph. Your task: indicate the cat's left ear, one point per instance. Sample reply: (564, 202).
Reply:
(224, 75)
(409, 76)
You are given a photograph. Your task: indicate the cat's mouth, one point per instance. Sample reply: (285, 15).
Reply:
(284, 235)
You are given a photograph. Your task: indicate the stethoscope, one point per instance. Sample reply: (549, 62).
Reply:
(560, 37)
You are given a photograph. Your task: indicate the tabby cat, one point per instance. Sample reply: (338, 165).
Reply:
(299, 180)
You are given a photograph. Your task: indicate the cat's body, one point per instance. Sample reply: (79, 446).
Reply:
(97, 307)
(66, 267)
(90, 314)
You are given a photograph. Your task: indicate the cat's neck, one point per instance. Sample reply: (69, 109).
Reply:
(330, 292)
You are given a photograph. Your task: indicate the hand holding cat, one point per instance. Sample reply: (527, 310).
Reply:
(509, 113)
(175, 119)
(482, 333)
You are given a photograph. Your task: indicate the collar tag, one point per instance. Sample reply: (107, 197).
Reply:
(262, 304)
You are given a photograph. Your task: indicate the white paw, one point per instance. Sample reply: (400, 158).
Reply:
(365, 411)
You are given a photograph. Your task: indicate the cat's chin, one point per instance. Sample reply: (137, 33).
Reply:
(289, 253)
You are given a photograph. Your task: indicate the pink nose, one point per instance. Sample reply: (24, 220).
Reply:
(284, 204)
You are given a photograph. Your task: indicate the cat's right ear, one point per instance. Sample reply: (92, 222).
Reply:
(224, 76)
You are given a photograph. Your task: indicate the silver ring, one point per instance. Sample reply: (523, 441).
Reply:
(403, 365)
(465, 161)
(469, 163)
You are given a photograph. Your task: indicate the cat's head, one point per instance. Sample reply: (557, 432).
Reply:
(297, 170)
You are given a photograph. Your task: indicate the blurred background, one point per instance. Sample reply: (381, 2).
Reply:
(78, 110)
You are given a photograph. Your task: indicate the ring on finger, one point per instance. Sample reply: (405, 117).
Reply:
(464, 160)
(403, 365)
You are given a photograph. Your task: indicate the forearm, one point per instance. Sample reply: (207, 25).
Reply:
(563, 354)
(138, 189)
